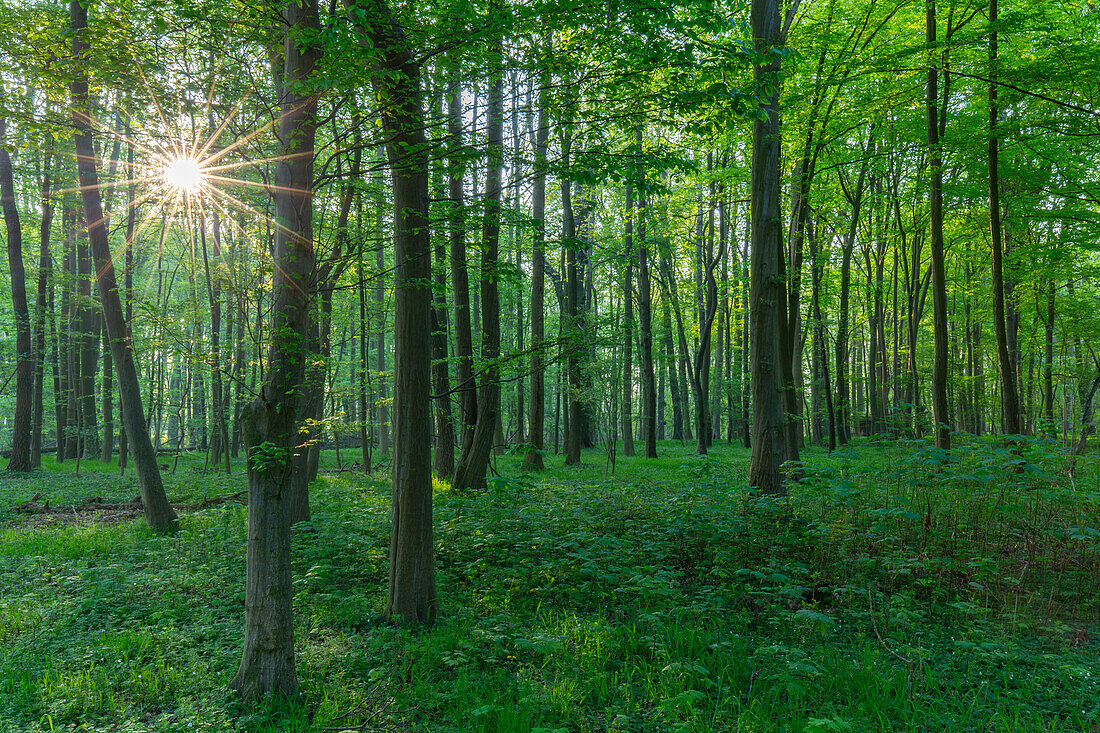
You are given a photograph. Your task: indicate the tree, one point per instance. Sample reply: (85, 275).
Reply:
(473, 463)
(412, 597)
(158, 512)
(1006, 367)
(933, 124)
(271, 424)
(767, 288)
(537, 408)
(24, 371)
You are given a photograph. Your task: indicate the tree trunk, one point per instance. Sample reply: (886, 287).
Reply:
(464, 342)
(23, 420)
(628, 328)
(412, 592)
(571, 316)
(443, 457)
(645, 326)
(1048, 363)
(271, 422)
(766, 286)
(671, 365)
(158, 512)
(106, 394)
(940, 412)
(42, 305)
(537, 407)
(1006, 365)
(473, 464)
(699, 377)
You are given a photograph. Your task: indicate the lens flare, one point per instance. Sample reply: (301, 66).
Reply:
(183, 174)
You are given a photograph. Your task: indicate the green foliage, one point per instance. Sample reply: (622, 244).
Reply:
(893, 591)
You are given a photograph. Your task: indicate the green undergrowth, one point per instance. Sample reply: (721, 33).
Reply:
(899, 589)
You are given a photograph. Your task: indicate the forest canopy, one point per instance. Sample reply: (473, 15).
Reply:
(456, 246)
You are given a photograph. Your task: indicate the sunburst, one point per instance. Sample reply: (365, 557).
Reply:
(184, 174)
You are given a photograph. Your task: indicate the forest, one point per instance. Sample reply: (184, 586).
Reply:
(528, 365)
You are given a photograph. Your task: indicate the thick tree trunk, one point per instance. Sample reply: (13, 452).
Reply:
(412, 593)
(271, 423)
(769, 426)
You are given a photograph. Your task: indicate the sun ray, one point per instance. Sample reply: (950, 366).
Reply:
(247, 207)
(146, 221)
(252, 135)
(242, 140)
(152, 95)
(257, 184)
(92, 187)
(236, 110)
(256, 161)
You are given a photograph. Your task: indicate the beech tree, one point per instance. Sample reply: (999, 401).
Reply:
(158, 512)
(411, 598)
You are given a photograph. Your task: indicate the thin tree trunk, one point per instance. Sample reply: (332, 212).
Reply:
(473, 465)
(23, 420)
(537, 407)
(464, 343)
(1048, 363)
(158, 512)
(645, 326)
(628, 328)
(1006, 366)
(571, 316)
(42, 304)
(940, 411)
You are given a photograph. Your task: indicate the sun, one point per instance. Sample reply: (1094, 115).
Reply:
(183, 174)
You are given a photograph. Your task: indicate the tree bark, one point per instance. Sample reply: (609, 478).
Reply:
(473, 464)
(412, 597)
(42, 304)
(23, 420)
(628, 327)
(271, 423)
(158, 512)
(537, 406)
(572, 312)
(766, 286)
(645, 326)
(940, 411)
(1006, 366)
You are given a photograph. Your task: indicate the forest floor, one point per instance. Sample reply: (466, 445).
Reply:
(891, 593)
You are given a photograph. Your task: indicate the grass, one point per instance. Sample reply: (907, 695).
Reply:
(896, 591)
